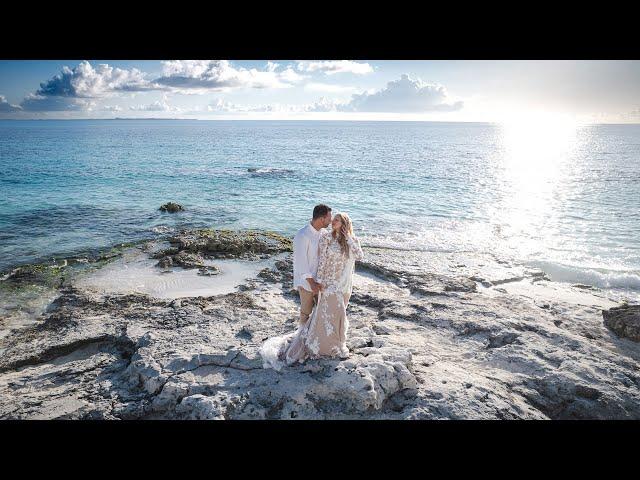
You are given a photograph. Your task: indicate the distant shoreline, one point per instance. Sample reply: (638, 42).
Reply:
(320, 120)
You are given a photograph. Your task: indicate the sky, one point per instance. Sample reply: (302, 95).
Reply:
(461, 90)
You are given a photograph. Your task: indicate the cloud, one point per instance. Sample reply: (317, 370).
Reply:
(40, 103)
(323, 105)
(331, 67)
(404, 96)
(74, 89)
(328, 87)
(219, 75)
(85, 81)
(220, 105)
(157, 106)
(5, 106)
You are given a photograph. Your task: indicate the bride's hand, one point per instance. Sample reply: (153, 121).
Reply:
(344, 232)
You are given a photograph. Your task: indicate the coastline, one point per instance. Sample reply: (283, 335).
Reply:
(477, 344)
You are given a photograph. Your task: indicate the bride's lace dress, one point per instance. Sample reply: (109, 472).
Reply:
(325, 332)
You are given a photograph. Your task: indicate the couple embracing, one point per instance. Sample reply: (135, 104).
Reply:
(324, 255)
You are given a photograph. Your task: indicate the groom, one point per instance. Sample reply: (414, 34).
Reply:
(305, 259)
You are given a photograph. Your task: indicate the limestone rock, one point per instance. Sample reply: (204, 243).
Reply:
(422, 346)
(624, 321)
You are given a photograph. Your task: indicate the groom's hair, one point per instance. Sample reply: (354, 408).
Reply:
(320, 211)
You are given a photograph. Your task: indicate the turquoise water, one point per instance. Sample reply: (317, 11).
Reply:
(564, 200)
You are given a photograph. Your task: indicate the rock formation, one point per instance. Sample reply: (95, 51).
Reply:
(423, 346)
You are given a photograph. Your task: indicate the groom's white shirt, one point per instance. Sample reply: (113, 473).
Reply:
(305, 256)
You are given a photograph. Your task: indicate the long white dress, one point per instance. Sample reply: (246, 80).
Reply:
(324, 334)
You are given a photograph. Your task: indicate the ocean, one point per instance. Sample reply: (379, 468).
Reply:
(561, 198)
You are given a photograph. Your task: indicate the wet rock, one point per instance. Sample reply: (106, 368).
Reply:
(41, 274)
(231, 244)
(209, 270)
(624, 321)
(171, 207)
(461, 355)
(165, 262)
(188, 260)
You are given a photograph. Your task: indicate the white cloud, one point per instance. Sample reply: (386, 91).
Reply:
(323, 105)
(43, 103)
(331, 67)
(73, 89)
(8, 107)
(227, 107)
(112, 108)
(291, 76)
(221, 106)
(85, 81)
(220, 75)
(404, 96)
(157, 106)
(328, 87)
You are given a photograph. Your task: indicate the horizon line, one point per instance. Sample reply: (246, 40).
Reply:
(288, 120)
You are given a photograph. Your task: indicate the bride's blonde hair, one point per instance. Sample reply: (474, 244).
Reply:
(342, 241)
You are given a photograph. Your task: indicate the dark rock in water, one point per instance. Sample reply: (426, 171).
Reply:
(163, 253)
(188, 260)
(209, 270)
(231, 244)
(43, 274)
(165, 262)
(171, 207)
(624, 321)
(185, 259)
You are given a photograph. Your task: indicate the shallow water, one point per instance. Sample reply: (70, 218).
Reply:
(561, 199)
(134, 272)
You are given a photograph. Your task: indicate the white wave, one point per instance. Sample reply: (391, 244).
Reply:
(267, 170)
(162, 229)
(600, 278)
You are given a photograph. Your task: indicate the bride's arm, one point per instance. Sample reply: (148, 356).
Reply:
(323, 265)
(354, 246)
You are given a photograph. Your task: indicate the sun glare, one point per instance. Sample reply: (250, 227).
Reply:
(535, 151)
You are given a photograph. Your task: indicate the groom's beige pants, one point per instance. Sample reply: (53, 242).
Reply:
(307, 301)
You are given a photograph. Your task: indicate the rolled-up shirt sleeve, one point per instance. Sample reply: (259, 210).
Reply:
(300, 247)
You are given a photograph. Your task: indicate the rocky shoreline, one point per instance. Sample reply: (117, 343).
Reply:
(423, 345)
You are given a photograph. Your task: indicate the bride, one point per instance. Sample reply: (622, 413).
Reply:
(325, 333)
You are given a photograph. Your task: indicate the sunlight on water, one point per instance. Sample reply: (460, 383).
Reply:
(537, 190)
(536, 152)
